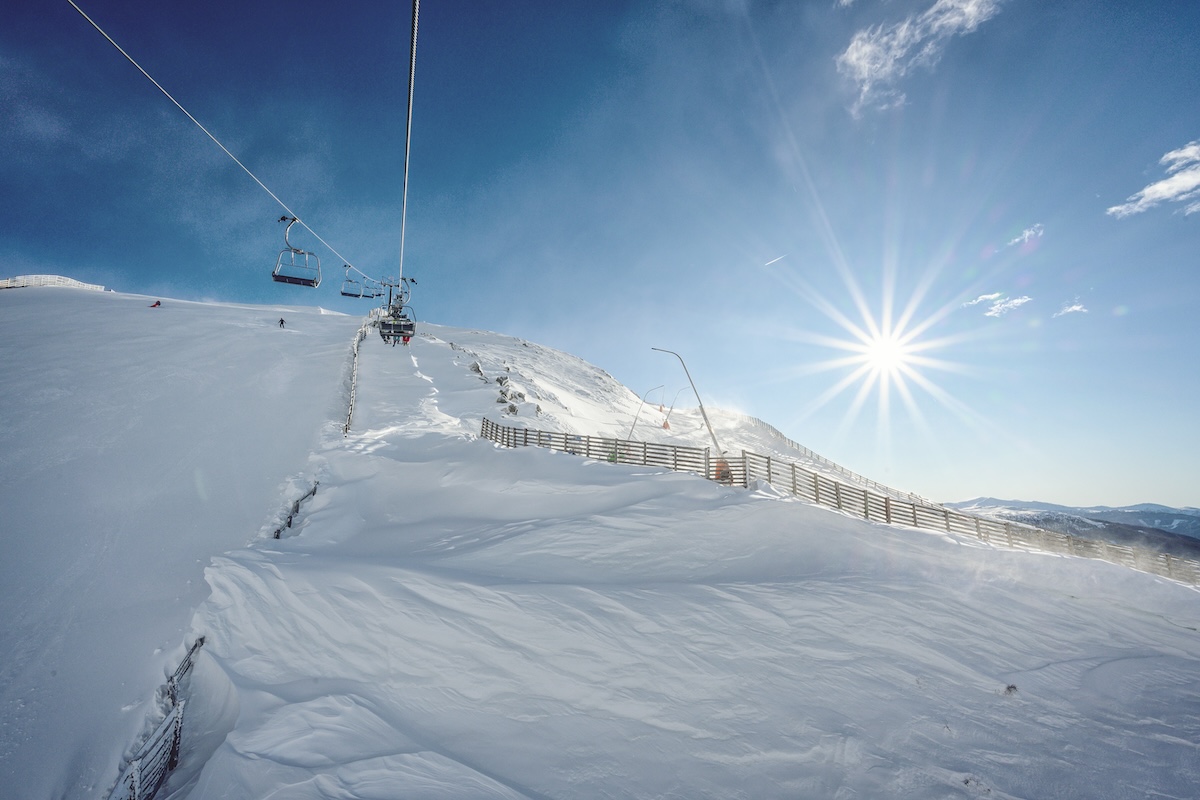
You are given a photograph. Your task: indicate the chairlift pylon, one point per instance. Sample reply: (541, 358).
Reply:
(295, 266)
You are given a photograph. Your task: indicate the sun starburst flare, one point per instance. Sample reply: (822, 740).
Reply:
(884, 355)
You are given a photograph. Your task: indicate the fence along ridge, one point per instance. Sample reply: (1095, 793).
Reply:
(823, 490)
(24, 281)
(833, 466)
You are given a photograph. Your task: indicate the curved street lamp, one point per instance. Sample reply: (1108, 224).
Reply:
(639, 411)
(716, 444)
(667, 421)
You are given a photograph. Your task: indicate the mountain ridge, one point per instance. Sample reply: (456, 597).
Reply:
(1175, 531)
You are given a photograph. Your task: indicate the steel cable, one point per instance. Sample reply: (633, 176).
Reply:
(231, 155)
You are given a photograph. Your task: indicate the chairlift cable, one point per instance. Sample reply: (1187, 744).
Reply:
(412, 71)
(218, 143)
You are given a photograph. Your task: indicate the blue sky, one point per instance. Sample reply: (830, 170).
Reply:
(1002, 196)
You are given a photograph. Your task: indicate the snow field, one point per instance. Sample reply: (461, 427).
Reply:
(451, 619)
(467, 621)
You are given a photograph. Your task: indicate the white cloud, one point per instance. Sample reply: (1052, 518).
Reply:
(1071, 308)
(879, 56)
(983, 298)
(1005, 305)
(1035, 231)
(1181, 185)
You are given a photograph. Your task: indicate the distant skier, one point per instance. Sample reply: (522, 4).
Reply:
(157, 304)
(281, 322)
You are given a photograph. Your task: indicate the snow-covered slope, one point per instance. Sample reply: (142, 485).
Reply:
(452, 619)
(137, 443)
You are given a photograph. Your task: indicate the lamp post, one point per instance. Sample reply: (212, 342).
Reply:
(672, 408)
(716, 444)
(639, 411)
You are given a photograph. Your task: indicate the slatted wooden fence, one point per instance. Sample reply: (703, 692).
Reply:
(147, 770)
(888, 507)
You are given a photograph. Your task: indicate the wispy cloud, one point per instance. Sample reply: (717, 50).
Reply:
(1005, 305)
(1034, 231)
(1181, 186)
(1075, 307)
(983, 298)
(878, 57)
(1000, 305)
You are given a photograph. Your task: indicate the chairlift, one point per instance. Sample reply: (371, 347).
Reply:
(365, 287)
(295, 266)
(397, 326)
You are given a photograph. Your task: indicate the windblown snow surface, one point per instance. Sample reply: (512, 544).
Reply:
(450, 619)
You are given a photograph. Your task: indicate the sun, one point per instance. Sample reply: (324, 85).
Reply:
(887, 355)
(884, 351)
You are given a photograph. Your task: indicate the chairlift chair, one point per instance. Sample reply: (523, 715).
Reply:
(397, 325)
(360, 287)
(295, 266)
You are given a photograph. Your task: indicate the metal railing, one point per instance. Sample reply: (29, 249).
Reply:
(147, 770)
(820, 489)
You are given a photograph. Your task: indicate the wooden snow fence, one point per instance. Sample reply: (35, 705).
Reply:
(874, 503)
(358, 338)
(147, 770)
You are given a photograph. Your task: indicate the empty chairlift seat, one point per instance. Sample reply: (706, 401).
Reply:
(295, 266)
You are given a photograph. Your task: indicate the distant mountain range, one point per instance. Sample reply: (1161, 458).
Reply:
(1169, 530)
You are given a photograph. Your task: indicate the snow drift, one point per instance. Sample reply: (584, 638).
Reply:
(451, 619)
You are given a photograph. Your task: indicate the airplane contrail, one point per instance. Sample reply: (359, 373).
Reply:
(773, 260)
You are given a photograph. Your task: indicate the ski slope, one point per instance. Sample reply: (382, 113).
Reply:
(451, 619)
(138, 442)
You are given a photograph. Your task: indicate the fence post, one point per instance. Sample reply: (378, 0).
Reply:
(887, 509)
(794, 492)
(816, 489)
(837, 494)
(176, 736)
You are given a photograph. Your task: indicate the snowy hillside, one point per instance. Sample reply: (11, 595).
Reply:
(452, 619)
